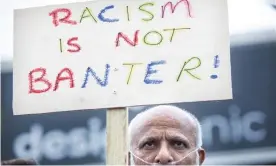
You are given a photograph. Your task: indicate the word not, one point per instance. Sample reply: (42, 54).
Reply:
(39, 75)
(64, 15)
(146, 40)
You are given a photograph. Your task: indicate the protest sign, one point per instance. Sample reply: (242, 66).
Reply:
(107, 54)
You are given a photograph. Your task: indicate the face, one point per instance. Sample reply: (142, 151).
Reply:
(164, 140)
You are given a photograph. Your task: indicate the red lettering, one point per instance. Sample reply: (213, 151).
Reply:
(64, 78)
(75, 45)
(41, 79)
(65, 19)
(132, 43)
(187, 3)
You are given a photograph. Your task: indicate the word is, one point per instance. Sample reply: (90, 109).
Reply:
(72, 44)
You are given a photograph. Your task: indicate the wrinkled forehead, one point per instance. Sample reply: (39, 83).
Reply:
(167, 117)
(175, 124)
(163, 120)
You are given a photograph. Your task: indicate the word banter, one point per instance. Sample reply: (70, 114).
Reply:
(106, 54)
(39, 75)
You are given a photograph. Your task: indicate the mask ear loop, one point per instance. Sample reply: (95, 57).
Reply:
(141, 159)
(175, 162)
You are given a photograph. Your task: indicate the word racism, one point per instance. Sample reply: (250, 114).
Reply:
(88, 13)
(67, 75)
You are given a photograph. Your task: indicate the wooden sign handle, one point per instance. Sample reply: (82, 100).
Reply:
(116, 128)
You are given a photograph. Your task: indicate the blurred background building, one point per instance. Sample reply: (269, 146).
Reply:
(238, 131)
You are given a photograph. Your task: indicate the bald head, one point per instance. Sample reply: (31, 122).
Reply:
(184, 117)
(164, 134)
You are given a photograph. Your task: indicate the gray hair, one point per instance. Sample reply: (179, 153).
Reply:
(137, 120)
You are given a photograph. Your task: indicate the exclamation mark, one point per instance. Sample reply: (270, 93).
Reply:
(216, 65)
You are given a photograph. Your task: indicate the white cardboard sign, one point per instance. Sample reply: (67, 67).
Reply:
(105, 54)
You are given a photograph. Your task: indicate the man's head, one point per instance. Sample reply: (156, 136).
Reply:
(166, 135)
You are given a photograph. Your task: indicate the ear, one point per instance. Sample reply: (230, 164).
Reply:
(201, 153)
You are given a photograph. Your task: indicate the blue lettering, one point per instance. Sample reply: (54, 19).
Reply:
(150, 71)
(102, 18)
(103, 83)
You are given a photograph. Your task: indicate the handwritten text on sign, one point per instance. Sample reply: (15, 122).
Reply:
(106, 54)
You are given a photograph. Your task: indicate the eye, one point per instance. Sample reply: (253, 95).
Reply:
(149, 145)
(179, 144)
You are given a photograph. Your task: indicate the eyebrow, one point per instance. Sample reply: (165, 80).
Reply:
(147, 138)
(177, 137)
(174, 137)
